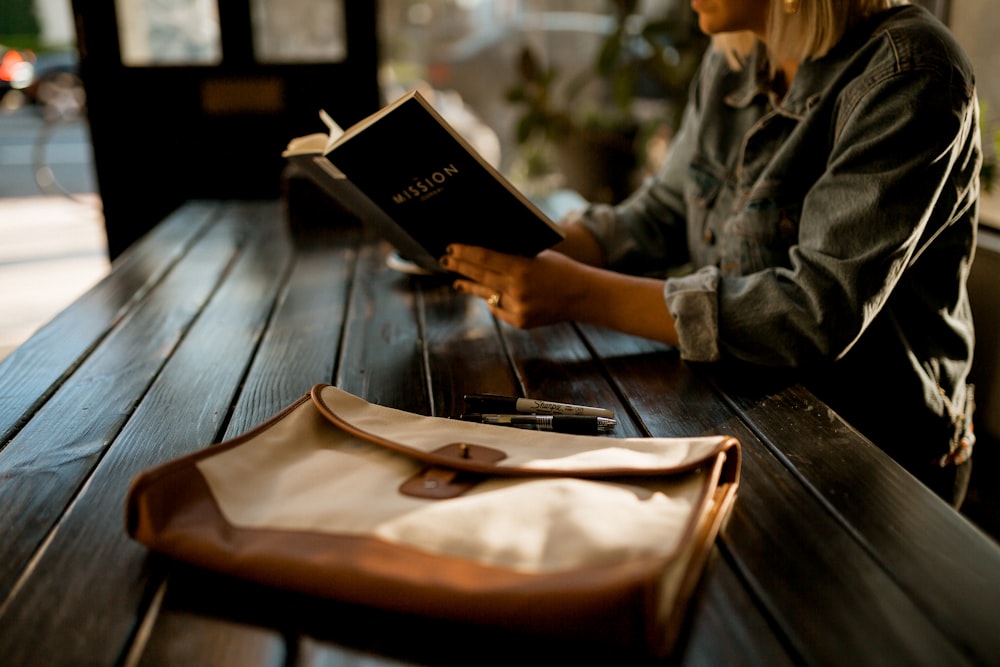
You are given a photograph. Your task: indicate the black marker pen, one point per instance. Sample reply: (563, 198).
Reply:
(578, 424)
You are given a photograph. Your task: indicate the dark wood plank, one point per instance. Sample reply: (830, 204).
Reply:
(662, 393)
(781, 537)
(312, 653)
(726, 626)
(916, 537)
(382, 356)
(555, 363)
(50, 458)
(180, 635)
(465, 352)
(30, 374)
(302, 343)
(184, 409)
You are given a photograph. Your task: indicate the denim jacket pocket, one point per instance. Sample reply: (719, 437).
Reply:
(701, 191)
(760, 235)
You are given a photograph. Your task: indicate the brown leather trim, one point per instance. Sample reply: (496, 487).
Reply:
(723, 482)
(441, 483)
(152, 476)
(178, 517)
(171, 509)
(451, 460)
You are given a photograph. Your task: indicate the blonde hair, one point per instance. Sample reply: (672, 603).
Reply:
(809, 32)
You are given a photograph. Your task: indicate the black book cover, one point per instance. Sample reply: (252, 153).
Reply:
(430, 182)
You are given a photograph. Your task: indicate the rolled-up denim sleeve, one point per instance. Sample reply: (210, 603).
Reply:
(693, 301)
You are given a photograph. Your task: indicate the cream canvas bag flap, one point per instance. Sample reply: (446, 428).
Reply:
(569, 535)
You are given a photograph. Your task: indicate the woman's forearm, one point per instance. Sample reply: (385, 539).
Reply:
(581, 245)
(630, 304)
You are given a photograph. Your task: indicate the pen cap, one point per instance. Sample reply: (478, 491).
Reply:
(489, 403)
(582, 424)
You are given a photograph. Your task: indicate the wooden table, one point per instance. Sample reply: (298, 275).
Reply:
(220, 317)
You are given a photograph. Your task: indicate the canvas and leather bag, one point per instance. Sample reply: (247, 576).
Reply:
(568, 536)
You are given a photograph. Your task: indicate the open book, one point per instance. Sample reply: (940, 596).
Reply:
(405, 171)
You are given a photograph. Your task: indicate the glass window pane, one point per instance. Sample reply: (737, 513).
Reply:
(299, 31)
(975, 26)
(169, 32)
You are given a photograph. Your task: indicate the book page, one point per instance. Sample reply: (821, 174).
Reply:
(315, 143)
(336, 131)
(309, 144)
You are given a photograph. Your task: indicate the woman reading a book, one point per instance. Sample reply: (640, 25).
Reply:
(823, 188)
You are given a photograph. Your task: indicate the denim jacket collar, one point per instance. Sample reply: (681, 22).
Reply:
(800, 97)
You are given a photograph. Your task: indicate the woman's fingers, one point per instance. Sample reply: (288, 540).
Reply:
(476, 263)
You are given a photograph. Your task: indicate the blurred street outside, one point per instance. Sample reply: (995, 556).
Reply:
(52, 244)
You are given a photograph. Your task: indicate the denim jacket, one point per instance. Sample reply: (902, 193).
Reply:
(831, 231)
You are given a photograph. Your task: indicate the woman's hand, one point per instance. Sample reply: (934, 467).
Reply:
(528, 292)
(524, 292)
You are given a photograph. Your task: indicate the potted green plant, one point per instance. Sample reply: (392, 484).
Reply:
(592, 127)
